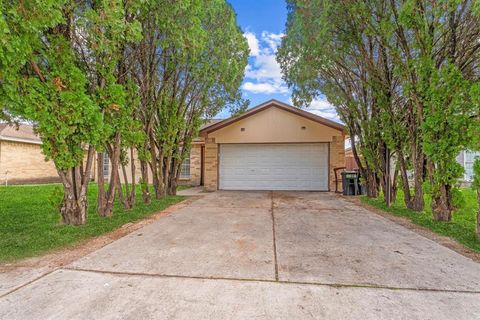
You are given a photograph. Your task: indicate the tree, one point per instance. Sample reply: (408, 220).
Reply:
(42, 82)
(104, 29)
(439, 66)
(118, 77)
(191, 64)
(329, 50)
(476, 186)
(401, 75)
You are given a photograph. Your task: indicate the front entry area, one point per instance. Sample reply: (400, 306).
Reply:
(274, 166)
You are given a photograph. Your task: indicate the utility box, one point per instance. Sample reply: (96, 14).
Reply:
(351, 183)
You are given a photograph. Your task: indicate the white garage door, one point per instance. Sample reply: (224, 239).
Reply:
(274, 166)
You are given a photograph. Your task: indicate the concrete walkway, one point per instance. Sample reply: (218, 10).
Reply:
(263, 255)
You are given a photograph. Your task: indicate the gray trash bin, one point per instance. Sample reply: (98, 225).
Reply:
(351, 183)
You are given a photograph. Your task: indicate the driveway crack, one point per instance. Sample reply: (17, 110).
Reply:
(275, 261)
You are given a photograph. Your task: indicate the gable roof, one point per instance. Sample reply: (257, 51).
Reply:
(22, 133)
(210, 122)
(272, 103)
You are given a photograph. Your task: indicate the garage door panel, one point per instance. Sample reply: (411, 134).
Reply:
(274, 166)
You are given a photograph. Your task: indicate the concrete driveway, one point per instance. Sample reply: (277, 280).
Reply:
(261, 255)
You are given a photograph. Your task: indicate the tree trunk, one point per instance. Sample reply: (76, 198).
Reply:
(441, 204)
(101, 184)
(75, 184)
(121, 197)
(114, 177)
(172, 187)
(74, 206)
(371, 184)
(155, 166)
(395, 185)
(124, 200)
(107, 200)
(173, 177)
(145, 187)
(167, 172)
(405, 182)
(418, 203)
(478, 214)
(133, 193)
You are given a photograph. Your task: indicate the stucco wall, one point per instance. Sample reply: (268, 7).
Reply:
(274, 125)
(25, 163)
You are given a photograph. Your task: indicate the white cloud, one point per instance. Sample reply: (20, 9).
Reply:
(272, 39)
(321, 104)
(264, 76)
(252, 43)
(264, 87)
(264, 72)
(321, 107)
(264, 67)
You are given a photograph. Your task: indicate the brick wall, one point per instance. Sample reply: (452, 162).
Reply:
(211, 165)
(195, 167)
(337, 159)
(25, 164)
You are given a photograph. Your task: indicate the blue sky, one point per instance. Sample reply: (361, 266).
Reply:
(263, 24)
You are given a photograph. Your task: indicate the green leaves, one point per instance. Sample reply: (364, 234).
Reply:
(401, 74)
(476, 174)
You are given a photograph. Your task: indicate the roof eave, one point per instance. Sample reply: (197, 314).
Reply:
(271, 103)
(12, 139)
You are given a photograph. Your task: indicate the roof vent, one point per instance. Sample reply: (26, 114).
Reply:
(304, 128)
(242, 129)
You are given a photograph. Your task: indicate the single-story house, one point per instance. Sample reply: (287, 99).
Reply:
(273, 146)
(466, 159)
(21, 159)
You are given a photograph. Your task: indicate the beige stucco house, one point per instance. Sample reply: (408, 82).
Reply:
(273, 146)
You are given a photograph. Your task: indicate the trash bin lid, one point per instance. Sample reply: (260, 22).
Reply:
(350, 174)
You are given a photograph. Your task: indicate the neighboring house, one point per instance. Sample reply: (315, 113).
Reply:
(21, 159)
(350, 161)
(466, 159)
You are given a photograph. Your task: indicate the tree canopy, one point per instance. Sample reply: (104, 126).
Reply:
(118, 79)
(403, 76)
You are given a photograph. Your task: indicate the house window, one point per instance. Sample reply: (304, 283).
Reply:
(106, 165)
(469, 159)
(185, 168)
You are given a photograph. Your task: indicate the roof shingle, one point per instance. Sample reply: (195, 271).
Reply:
(23, 133)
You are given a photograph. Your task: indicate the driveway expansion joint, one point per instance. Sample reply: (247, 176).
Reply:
(27, 283)
(286, 282)
(275, 261)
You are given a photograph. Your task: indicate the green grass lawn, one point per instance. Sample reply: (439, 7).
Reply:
(461, 228)
(30, 226)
